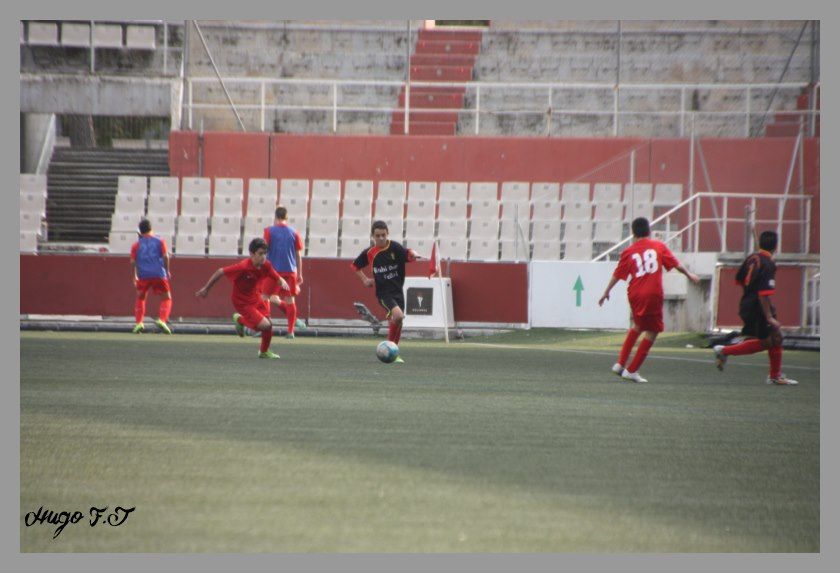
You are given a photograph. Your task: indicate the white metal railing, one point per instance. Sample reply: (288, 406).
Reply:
(689, 234)
(46, 147)
(740, 122)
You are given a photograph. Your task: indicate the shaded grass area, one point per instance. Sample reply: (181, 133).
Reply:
(517, 442)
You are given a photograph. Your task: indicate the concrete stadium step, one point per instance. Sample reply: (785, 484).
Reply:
(449, 35)
(441, 73)
(442, 60)
(447, 47)
(431, 100)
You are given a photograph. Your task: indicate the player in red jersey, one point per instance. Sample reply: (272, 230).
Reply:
(641, 266)
(150, 270)
(246, 276)
(761, 327)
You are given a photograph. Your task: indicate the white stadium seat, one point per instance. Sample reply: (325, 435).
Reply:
(261, 205)
(546, 210)
(419, 228)
(197, 205)
(255, 226)
(356, 227)
(132, 184)
(515, 191)
(192, 225)
(546, 251)
(224, 245)
(125, 222)
(577, 231)
(130, 204)
(389, 208)
(484, 192)
(485, 209)
(515, 230)
(323, 226)
(33, 202)
(545, 192)
(351, 246)
(547, 231)
(608, 211)
(422, 247)
(229, 205)
(229, 187)
(452, 248)
(484, 229)
(668, 194)
(358, 189)
(422, 191)
(164, 186)
(577, 250)
(296, 207)
(30, 222)
(607, 193)
(189, 243)
(514, 250)
(31, 182)
(577, 211)
(320, 246)
(452, 228)
(391, 190)
(195, 186)
(324, 189)
(452, 209)
(484, 250)
(395, 227)
(294, 188)
(163, 224)
(638, 193)
(323, 207)
(607, 231)
(226, 225)
(160, 204)
(121, 241)
(453, 191)
(575, 193)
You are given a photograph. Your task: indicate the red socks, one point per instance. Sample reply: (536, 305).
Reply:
(627, 347)
(165, 309)
(139, 310)
(775, 353)
(641, 354)
(291, 316)
(265, 340)
(394, 331)
(750, 346)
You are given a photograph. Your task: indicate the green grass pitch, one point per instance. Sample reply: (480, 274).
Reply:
(516, 442)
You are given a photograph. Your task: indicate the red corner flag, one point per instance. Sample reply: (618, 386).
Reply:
(433, 261)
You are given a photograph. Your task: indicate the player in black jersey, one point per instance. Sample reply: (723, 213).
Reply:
(387, 259)
(757, 276)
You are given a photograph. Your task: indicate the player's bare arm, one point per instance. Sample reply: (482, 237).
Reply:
(606, 295)
(366, 280)
(133, 273)
(281, 282)
(299, 269)
(691, 276)
(166, 265)
(202, 292)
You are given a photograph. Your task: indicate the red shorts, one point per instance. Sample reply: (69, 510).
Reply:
(270, 287)
(647, 314)
(252, 314)
(158, 286)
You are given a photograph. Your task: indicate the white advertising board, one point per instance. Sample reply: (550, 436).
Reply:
(565, 295)
(424, 302)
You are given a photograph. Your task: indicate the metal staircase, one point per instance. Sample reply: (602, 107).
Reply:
(82, 185)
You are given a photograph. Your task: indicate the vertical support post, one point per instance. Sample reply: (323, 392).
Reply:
(615, 110)
(632, 184)
(780, 209)
(165, 48)
(724, 242)
(808, 225)
(697, 227)
(548, 122)
(407, 74)
(190, 100)
(92, 50)
(335, 107)
(691, 179)
(749, 107)
(682, 111)
(477, 106)
(186, 89)
(262, 105)
(752, 223)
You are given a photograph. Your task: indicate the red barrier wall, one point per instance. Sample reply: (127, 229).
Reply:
(101, 285)
(787, 300)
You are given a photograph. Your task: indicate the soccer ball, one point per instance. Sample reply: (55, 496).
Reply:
(387, 351)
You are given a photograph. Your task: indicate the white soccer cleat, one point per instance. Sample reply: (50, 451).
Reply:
(632, 377)
(720, 357)
(782, 380)
(617, 369)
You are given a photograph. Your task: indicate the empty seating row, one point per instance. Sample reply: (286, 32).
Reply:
(79, 35)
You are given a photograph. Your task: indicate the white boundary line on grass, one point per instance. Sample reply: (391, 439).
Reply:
(653, 356)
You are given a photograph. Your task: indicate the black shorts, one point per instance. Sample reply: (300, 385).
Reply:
(755, 323)
(390, 300)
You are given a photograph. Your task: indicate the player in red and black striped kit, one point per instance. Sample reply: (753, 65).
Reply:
(387, 260)
(641, 266)
(757, 276)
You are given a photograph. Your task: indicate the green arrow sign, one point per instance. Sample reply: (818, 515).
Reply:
(578, 288)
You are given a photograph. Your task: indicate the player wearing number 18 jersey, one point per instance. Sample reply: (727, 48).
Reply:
(641, 265)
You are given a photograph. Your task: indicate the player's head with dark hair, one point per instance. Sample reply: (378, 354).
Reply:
(641, 227)
(258, 249)
(379, 232)
(257, 244)
(281, 213)
(144, 227)
(768, 241)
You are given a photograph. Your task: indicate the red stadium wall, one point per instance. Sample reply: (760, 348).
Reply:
(787, 300)
(746, 166)
(329, 290)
